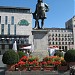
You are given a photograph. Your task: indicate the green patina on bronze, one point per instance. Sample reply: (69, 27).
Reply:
(23, 22)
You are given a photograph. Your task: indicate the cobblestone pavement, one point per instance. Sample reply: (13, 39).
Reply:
(36, 73)
(2, 66)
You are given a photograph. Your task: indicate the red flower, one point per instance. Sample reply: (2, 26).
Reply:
(16, 65)
(24, 58)
(44, 63)
(48, 62)
(21, 63)
(57, 63)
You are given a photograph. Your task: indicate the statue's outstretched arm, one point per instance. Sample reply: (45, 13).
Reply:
(46, 7)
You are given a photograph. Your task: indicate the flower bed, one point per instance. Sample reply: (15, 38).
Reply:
(33, 63)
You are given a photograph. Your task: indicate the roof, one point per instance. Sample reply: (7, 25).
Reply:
(11, 7)
(52, 29)
(57, 29)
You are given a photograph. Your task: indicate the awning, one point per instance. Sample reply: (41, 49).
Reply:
(27, 47)
(12, 38)
(2, 38)
(7, 38)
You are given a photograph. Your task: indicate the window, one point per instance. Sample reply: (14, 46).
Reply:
(55, 30)
(8, 29)
(56, 43)
(10, 46)
(6, 19)
(12, 20)
(66, 48)
(65, 35)
(62, 35)
(0, 19)
(26, 40)
(62, 43)
(52, 39)
(52, 30)
(15, 29)
(2, 29)
(59, 47)
(59, 35)
(49, 43)
(69, 39)
(49, 35)
(65, 43)
(55, 39)
(64, 30)
(62, 39)
(3, 46)
(65, 39)
(49, 39)
(55, 35)
(61, 30)
(72, 42)
(53, 43)
(69, 43)
(59, 43)
(63, 47)
(52, 35)
(59, 39)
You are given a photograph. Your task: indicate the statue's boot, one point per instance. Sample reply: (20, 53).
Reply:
(37, 27)
(42, 27)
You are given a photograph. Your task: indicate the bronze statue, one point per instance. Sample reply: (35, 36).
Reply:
(40, 13)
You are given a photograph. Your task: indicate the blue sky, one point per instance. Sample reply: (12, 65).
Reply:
(60, 10)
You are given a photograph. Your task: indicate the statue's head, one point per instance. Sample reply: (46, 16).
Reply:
(40, 1)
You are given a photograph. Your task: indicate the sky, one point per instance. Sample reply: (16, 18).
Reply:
(60, 11)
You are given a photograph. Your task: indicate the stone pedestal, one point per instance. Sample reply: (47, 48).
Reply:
(40, 43)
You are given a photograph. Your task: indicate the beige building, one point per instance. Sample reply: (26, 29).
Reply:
(15, 25)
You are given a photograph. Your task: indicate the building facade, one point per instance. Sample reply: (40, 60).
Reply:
(15, 25)
(63, 38)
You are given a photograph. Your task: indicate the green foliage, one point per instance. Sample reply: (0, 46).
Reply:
(31, 59)
(10, 57)
(63, 63)
(46, 59)
(21, 54)
(70, 56)
(58, 53)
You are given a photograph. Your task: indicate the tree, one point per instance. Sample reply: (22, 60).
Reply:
(70, 56)
(10, 57)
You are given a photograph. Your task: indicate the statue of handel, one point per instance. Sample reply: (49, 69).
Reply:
(41, 9)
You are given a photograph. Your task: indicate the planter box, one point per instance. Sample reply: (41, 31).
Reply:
(23, 69)
(62, 68)
(35, 68)
(11, 67)
(31, 73)
(50, 68)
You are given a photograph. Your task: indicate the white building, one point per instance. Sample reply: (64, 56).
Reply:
(15, 25)
(63, 38)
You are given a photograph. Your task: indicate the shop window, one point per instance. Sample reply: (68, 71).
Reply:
(3, 46)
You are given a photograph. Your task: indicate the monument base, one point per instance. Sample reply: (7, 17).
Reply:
(40, 54)
(40, 43)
